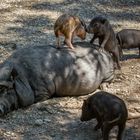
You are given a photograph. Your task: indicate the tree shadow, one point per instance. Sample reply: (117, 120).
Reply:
(74, 7)
(120, 2)
(129, 56)
(92, 9)
(52, 119)
(38, 29)
(132, 132)
(125, 16)
(34, 30)
(56, 122)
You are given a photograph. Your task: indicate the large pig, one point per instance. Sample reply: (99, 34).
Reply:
(38, 73)
(101, 28)
(129, 38)
(69, 26)
(108, 109)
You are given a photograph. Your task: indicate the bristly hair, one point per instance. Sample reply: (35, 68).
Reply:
(99, 19)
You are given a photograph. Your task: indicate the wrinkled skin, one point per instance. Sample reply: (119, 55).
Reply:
(129, 38)
(102, 30)
(109, 110)
(37, 73)
(69, 26)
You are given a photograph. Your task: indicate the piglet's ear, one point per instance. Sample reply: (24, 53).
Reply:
(103, 20)
(85, 101)
(23, 89)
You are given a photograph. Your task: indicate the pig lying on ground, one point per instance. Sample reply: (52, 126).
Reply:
(69, 26)
(108, 109)
(38, 73)
(129, 38)
(102, 29)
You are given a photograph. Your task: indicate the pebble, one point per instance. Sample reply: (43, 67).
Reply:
(47, 120)
(137, 76)
(38, 122)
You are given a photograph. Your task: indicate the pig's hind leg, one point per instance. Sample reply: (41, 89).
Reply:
(121, 128)
(106, 130)
(68, 39)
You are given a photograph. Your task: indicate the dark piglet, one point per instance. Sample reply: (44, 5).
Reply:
(69, 26)
(101, 28)
(108, 109)
(129, 38)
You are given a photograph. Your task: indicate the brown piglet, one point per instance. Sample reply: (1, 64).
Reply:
(69, 26)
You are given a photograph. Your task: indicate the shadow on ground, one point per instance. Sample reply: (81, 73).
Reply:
(50, 120)
(129, 56)
(92, 9)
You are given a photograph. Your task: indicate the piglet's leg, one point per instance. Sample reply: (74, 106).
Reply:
(58, 42)
(57, 33)
(120, 132)
(71, 39)
(92, 40)
(116, 59)
(99, 124)
(105, 40)
(68, 39)
(105, 130)
(72, 36)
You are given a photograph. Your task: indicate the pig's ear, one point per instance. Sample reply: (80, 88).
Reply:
(22, 88)
(103, 20)
(85, 101)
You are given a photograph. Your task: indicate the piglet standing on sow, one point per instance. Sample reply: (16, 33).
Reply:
(69, 26)
(109, 110)
(101, 28)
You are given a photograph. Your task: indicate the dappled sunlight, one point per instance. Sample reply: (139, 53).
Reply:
(31, 23)
(9, 134)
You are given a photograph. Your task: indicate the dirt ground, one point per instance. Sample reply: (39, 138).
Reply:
(29, 23)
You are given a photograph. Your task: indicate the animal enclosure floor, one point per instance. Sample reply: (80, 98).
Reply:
(30, 23)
